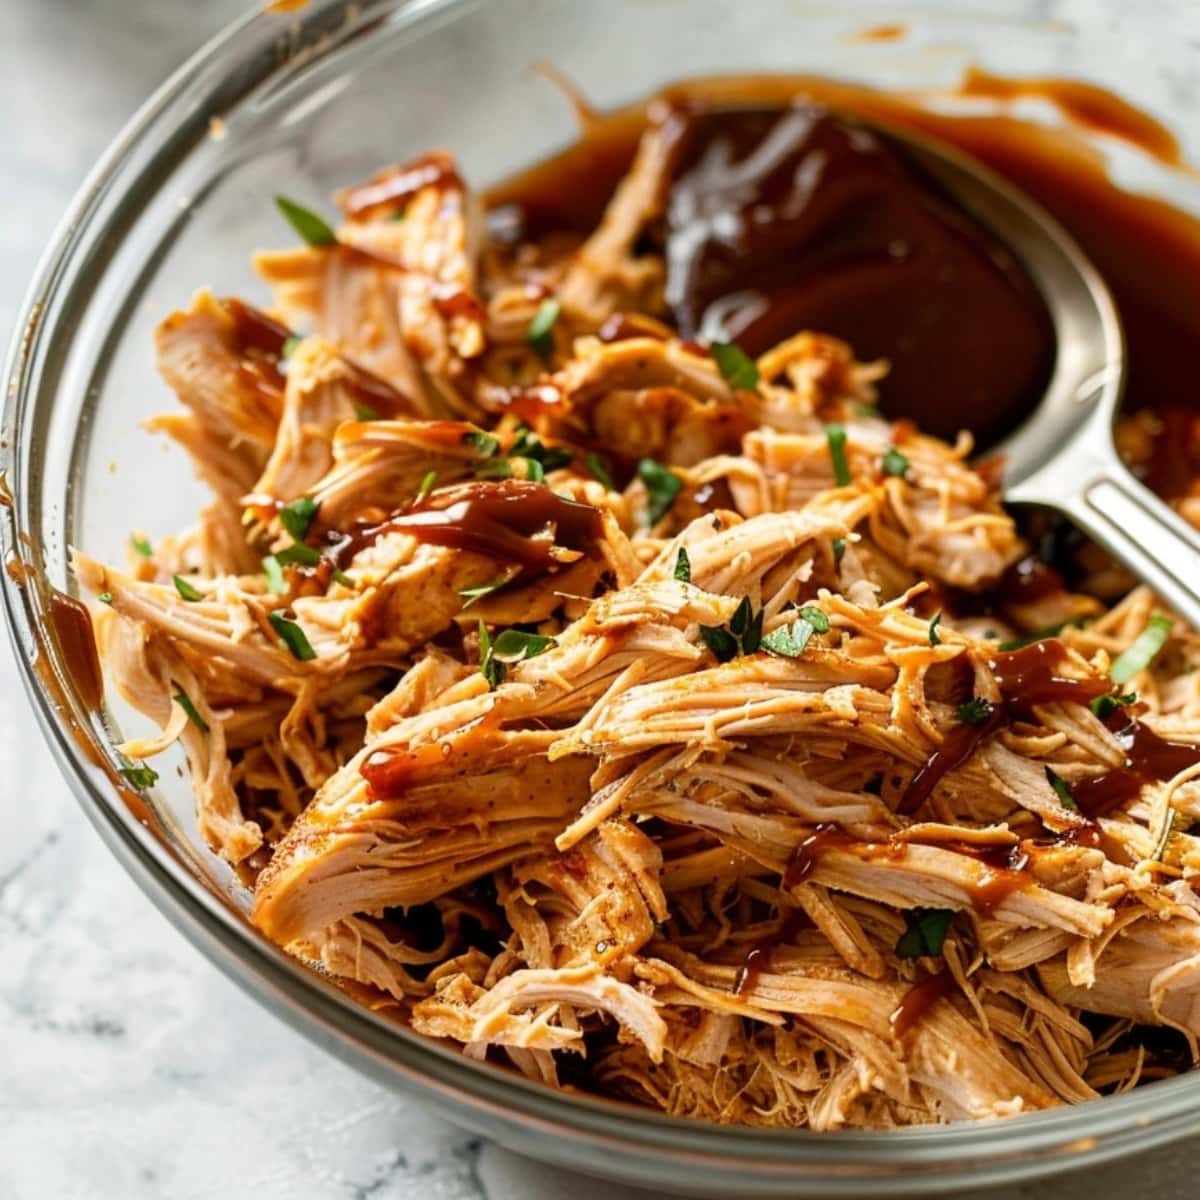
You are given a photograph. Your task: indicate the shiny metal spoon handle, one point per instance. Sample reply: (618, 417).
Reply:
(1089, 485)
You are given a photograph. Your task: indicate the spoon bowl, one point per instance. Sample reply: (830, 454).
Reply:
(1062, 457)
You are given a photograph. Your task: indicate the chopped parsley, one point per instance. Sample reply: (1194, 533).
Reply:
(735, 365)
(185, 589)
(683, 566)
(292, 636)
(1105, 706)
(720, 641)
(1061, 790)
(935, 638)
(662, 486)
(789, 641)
(297, 516)
(105, 597)
(926, 932)
(595, 464)
(894, 463)
(1142, 652)
(975, 711)
(839, 549)
(139, 775)
(184, 702)
(744, 633)
(540, 334)
(425, 486)
(471, 594)
(815, 617)
(835, 435)
(274, 573)
(141, 544)
(481, 442)
(508, 647)
(313, 229)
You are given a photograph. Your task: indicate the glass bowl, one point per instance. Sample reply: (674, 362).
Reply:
(306, 101)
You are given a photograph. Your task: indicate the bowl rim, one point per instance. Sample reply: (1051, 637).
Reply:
(592, 1133)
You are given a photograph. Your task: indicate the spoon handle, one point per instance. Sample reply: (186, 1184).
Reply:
(1144, 534)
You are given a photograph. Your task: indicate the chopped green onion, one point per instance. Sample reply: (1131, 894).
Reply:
(482, 442)
(735, 365)
(364, 412)
(1142, 653)
(313, 229)
(594, 464)
(540, 335)
(297, 516)
(1061, 790)
(299, 552)
(274, 573)
(935, 638)
(789, 642)
(1105, 706)
(926, 932)
(105, 597)
(975, 711)
(289, 346)
(185, 589)
(683, 566)
(839, 549)
(426, 486)
(292, 636)
(184, 702)
(835, 435)
(815, 617)
(141, 544)
(534, 471)
(720, 641)
(528, 445)
(662, 486)
(496, 468)
(342, 578)
(894, 463)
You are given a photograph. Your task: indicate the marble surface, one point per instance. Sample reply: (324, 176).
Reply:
(129, 1067)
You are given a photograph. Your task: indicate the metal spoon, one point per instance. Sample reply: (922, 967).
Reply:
(1063, 457)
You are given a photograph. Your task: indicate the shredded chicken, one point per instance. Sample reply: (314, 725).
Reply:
(646, 725)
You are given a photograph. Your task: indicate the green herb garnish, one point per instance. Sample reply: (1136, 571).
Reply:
(926, 932)
(297, 516)
(529, 446)
(789, 641)
(597, 468)
(1039, 635)
(1160, 848)
(483, 443)
(509, 646)
(292, 636)
(142, 545)
(289, 346)
(735, 365)
(839, 549)
(975, 711)
(835, 435)
(720, 641)
(662, 486)
(471, 594)
(274, 573)
(683, 566)
(105, 597)
(815, 617)
(184, 702)
(313, 229)
(185, 589)
(299, 552)
(364, 412)
(139, 775)
(1061, 790)
(1105, 706)
(935, 638)
(746, 626)
(1142, 652)
(426, 486)
(894, 463)
(540, 333)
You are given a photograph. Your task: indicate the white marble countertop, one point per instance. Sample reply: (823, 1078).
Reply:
(129, 1067)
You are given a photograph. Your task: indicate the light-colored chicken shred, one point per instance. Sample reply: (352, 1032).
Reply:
(603, 713)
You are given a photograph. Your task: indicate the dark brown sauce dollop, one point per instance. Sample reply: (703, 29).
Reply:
(760, 956)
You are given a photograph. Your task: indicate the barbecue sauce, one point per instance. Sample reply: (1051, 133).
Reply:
(511, 520)
(72, 625)
(760, 956)
(1135, 240)
(917, 1001)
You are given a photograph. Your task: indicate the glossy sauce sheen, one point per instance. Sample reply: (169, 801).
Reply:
(917, 1001)
(760, 956)
(77, 643)
(1136, 241)
(511, 520)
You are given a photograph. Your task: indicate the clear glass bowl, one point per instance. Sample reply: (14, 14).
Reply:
(306, 102)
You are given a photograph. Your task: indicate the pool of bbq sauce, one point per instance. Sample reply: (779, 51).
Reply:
(1136, 241)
